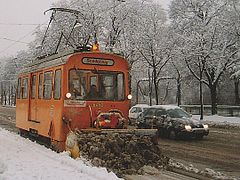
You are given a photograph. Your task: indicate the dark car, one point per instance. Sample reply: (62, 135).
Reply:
(173, 122)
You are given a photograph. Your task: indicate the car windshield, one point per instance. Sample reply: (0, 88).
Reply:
(144, 109)
(178, 113)
(149, 112)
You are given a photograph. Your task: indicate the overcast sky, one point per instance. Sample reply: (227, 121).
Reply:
(19, 19)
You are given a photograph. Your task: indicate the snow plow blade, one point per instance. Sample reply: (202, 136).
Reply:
(122, 151)
(73, 138)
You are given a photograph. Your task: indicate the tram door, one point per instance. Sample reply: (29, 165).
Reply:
(33, 99)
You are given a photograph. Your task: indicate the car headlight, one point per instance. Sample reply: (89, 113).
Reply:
(205, 126)
(188, 127)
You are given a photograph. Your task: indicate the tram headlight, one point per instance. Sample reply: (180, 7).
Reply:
(68, 95)
(129, 96)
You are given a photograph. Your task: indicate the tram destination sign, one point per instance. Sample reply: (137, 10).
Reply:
(98, 61)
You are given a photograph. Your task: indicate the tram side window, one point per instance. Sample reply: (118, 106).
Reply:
(19, 88)
(77, 84)
(120, 85)
(47, 85)
(33, 88)
(108, 86)
(25, 88)
(40, 90)
(57, 84)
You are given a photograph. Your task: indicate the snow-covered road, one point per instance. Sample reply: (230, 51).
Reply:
(22, 159)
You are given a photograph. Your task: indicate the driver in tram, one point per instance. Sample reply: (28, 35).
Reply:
(93, 92)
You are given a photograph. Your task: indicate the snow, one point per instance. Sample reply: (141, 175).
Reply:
(166, 107)
(220, 120)
(21, 158)
(206, 172)
(141, 105)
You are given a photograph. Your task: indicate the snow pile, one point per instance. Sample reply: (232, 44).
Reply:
(122, 153)
(207, 172)
(22, 159)
(220, 121)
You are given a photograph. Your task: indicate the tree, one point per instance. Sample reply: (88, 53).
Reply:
(9, 73)
(235, 75)
(210, 39)
(235, 68)
(154, 45)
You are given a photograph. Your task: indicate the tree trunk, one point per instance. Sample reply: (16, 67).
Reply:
(5, 97)
(236, 91)
(179, 92)
(201, 99)
(9, 94)
(155, 85)
(213, 91)
(1, 93)
(150, 87)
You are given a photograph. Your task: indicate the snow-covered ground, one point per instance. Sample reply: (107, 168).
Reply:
(220, 120)
(23, 159)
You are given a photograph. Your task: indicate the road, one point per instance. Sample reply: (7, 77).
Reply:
(218, 151)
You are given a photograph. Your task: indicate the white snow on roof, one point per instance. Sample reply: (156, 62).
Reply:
(167, 107)
(141, 105)
(23, 159)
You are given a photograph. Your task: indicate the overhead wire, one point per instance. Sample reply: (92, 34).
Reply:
(20, 24)
(14, 40)
(19, 40)
(23, 24)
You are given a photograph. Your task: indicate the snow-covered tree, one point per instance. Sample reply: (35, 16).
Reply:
(209, 39)
(9, 72)
(154, 45)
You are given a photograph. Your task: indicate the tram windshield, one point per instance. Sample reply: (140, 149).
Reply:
(96, 85)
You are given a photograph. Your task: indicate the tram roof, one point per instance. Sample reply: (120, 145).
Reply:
(51, 61)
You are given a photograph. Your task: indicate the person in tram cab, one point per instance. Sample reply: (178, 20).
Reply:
(93, 92)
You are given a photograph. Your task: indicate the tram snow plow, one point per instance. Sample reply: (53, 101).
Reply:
(74, 138)
(123, 151)
(105, 125)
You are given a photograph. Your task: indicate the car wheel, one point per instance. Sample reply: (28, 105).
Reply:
(139, 126)
(161, 132)
(172, 134)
